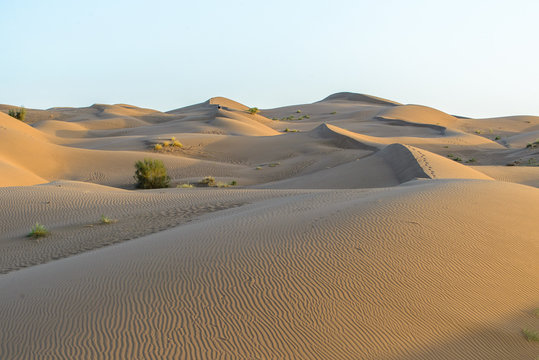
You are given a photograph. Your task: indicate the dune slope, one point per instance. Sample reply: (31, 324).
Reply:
(410, 272)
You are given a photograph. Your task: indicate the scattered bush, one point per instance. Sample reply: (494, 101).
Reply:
(106, 220)
(207, 181)
(457, 159)
(158, 147)
(38, 231)
(274, 164)
(536, 312)
(532, 145)
(298, 111)
(258, 168)
(472, 160)
(478, 132)
(176, 143)
(253, 110)
(333, 113)
(290, 130)
(151, 174)
(173, 139)
(233, 183)
(531, 335)
(19, 114)
(497, 138)
(166, 143)
(185, 186)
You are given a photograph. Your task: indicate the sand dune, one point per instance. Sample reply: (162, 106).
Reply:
(347, 274)
(360, 228)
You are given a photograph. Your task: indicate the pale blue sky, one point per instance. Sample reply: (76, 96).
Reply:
(473, 58)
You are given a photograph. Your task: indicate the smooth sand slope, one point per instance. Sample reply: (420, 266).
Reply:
(360, 228)
(379, 274)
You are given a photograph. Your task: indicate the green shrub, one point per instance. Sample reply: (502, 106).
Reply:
(19, 114)
(253, 110)
(151, 174)
(207, 181)
(531, 335)
(298, 111)
(333, 112)
(106, 220)
(233, 183)
(38, 231)
(185, 186)
(497, 138)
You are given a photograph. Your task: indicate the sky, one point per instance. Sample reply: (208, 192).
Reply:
(472, 58)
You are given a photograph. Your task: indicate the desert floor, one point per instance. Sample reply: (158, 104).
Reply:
(359, 228)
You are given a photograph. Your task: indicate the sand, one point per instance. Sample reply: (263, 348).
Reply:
(376, 231)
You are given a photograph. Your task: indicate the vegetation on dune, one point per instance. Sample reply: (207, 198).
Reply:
(207, 181)
(253, 110)
(106, 220)
(19, 114)
(38, 230)
(151, 174)
(532, 145)
(531, 335)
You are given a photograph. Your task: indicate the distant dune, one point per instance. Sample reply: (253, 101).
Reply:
(357, 228)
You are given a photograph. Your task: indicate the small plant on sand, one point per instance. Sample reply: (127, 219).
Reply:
(158, 147)
(176, 143)
(457, 159)
(207, 181)
(106, 220)
(290, 130)
(38, 231)
(166, 143)
(19, 114)
(472, 160)
(497, 138)
(173, 139)
(298, 111)
(532, 145)
(258, 168)
(151, 174)
(233, 183)
(531, 335)
(274, 164)
(185, 186)
(253, 110)
(333, 112)
(478, 132)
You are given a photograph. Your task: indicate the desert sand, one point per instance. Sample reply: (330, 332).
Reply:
(359, 228)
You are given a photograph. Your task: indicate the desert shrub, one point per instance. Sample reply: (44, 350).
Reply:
(176, 143)
(333, 112)
(531, 335)
(298, 111)
(166, 143)
(106, 220)
(38, 231)
(172, 139)
(185, 186)
(207, 181)
(158, 147)
(151, 174)
(532, 145)
(497, 138)
(253, 110)
(290, 130)
(274, 164)
(19, 114)
(258, 168)
(234, 183)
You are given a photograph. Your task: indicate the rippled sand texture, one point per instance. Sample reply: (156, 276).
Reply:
(362, 240)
